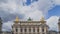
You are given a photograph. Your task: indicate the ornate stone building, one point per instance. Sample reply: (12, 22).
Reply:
(30, 27)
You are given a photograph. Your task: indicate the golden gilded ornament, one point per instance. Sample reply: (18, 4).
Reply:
(42, 20)
(17, 19)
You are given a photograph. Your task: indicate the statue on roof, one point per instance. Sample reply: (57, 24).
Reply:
(17, 19)
(29, 19)
(42, 20)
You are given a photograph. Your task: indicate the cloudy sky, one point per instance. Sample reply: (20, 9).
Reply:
(24, 9)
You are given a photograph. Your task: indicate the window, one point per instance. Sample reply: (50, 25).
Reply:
(21, 29)
(42, 30)
(25, 30)
(33, 29)
(43, 33)
(38, 30)
(16, 29)
(29, 29)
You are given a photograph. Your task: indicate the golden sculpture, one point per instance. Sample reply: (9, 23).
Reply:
(42, 20)
(17, 19)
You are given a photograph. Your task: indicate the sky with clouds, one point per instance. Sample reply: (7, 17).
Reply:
(24, 9)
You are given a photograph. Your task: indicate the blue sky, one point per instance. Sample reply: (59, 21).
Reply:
(24, 9)
(54, 11)
(29, 1)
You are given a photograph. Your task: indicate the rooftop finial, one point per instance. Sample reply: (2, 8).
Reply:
(17, 19)
(42, 20)
(29, 19)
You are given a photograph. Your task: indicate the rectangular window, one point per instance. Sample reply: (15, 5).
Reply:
(42, 29)
(37, 29)
(29, 29)
(21, 30)
(33, 29)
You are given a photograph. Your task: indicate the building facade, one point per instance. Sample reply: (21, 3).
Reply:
(30, 27)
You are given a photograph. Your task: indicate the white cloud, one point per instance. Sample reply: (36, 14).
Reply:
(35, 15)
(57, 2)
(38, 8)
(53, 23)
(41, 6)
(25, 0)
(7, 26)
(28, 11)
(9, 5)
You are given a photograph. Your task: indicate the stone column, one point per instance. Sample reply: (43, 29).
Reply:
(40, 30)
(14, 30)
(23, 31)
(36, 30)
(27, 30)
(45, 30)
(31, 29)
(18, 30)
